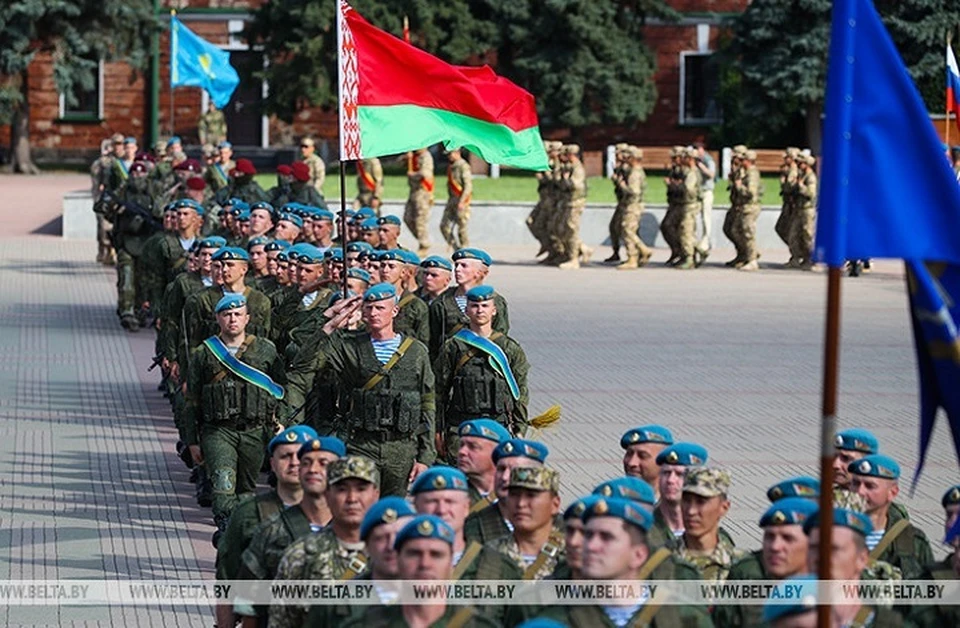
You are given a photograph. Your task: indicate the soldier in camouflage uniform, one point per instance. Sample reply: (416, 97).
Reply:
(416, 214)
(641, 446)
(704, 504)
(749, 191)
(850, 445)
(435, 275)
(337, 552)
(492, 522)
(153, 275)
(735, 182)
(573, 188)
(227, 417)
(788, 189)
(242, 185)
(536, 544)
(691, 202)
(480, 379)
(620, 172)
(217, 173)
(369, 184)
(100, 178)
(424, 552)
(459, 194)
(301, 191)
(167, 256)
(947, 570)
(318, 170)
(541, 217)
(212, 127)
(385, 381)
(412, 313)
(631, 185)
(805, 212)
(669, 227)
(615, 549)
(474, 457)
(674, 463)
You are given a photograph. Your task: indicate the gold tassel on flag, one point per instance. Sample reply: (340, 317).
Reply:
(546, 419)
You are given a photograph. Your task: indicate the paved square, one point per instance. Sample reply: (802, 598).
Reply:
(90, 487)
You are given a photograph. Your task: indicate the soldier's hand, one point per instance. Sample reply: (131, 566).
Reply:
(196, 454)
(342, 311)
(418, 468)
(175, 370)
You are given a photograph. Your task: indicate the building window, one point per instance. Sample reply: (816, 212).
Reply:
(89, 103)
(699, 83)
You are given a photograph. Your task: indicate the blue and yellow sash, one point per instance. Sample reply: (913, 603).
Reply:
(498, 359)
(221, 174)
(124, 172)
(241, 369)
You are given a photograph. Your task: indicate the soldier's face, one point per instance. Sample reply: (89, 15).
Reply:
(848, 555)
(169, 221)
(186, 218)
(350, 498)
(258, 258)
(205, 259)
(353, 233)
(389, 234)
(118, 149)
(286, 230)
(322, 229)
(475, 456)
(469, 272)
(451, 506)
(306, 150)
(353, 259)
(244, 227)
(313, 471)
(378, 315)
(357, 286)
(609, 551)
(481, 312)
(531, 510)
(435, 280)
(371, 237)
(391, 271)
(335, 271)
(670, 482)
(129, 151)
(841, 477)
(640, 461)
(877, 492)
(272, 264)
(784, 550)
(260, 221)
(504, 467)
(286, 465)
(425, 559)
(225, 154)
(702, 515)
(233, 322)
(233, 270)
(573, 537)
(383, 558)
(309, 274)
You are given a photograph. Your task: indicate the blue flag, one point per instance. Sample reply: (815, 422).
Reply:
(195, 62)
(934, 290)
(886, 187)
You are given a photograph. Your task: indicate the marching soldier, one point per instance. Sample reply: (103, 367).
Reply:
(707, 169)
(744, 228)
(100, 172)
(630, 186)
(788, 189)
(456, 214)
(573, 186)
(369, 184)
(669, 227)
(481, 373)
(805, 212)
(162, 262)
(946, 570)
(302, 191)
(689, 198)
(620, 172)
(735, 183)
(212, 127)
(478, 439)
(318, 170)
(217, 174)
(641, 447)
(541, 217)
(674, 463)
(436, 273)
(412, 313)
(234, 384)
(242, 185)
(704, 504)
(416, 214)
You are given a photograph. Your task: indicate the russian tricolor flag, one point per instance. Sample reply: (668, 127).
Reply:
(953, 85)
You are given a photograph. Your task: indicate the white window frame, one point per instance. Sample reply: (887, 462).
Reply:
(63, 99)
(683, 120)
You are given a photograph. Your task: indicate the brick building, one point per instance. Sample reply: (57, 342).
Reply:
(686, 82)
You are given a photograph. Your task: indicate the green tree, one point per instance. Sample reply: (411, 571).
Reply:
(778, 59)
(77, 33)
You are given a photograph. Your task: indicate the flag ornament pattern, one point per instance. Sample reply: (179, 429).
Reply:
(195, 62)
(396, 98)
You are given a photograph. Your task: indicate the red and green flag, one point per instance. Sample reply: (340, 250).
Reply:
(395, 97)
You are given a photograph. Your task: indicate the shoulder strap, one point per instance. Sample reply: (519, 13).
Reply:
(461, 617)
(377, 377)
(266, 508)
(469, 555)
(653, 561)
(888, 538)
(357, 565)
(860, 619)
(468, 355)
(482, 503)
(647, 613)
(549, 550)
(406, 298)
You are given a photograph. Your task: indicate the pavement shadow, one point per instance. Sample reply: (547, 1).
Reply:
(52, 228)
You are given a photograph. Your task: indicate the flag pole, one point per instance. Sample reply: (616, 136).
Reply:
(406, 38)
(343, 222)
(173, 61)
(342, 144)
(947, 108)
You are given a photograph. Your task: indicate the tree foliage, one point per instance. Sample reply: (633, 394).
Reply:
(584, 60)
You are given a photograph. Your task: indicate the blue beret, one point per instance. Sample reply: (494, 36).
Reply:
(439, 479)
(300, 247)
(238, 204)
(330, 444)
(224, 144)
(683, 454)
(476, 254)
(292, 208)
(806, 602)
(365, 212)
(230, 302)
(336, 296)
(647, 434)
(634, 489)
(370, 224)
(229, 253)
(170, 207)
(333, 254)
(484, 428)
(358, 246)
(951, 497)
(129, 140)
(276, 245)
(620, 508)
(481, 293)
(435, 261)
(323, 214)
(876, 466)
(857, 440)
(258, 241)
(577, 509)
(521, 447)
(856, 521)
(244, 215)
(358, 273)
(410, 257)
(292, 218)
(213, 242)
(174, 140)
(296, 435)
(189, 203)
(283, 255)
(379, 292)
(385, 511)
(541, 622)
(389, 219)
(309, 254)
(374, 255)
(392, 255)
(425, 527)
(262, 205)
(800, 486)
(789, 511)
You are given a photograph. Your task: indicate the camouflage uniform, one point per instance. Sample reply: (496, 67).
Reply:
(446, 319)
(909, 552)
(100, 176)
(369, 184)
(217, 176)
(229, 418)
(788, 186)
(620, 172)
(687, 220)
(750, 567)
(801, 234)
(713, 566)
(940, 615)
(270, 540)
(553, 554)
(574, 190)
(245, 519)
(660, 534)
(413, 318)
(202, 323)
(744, 227)
(305, 194)
(486, 525)
(316, 557)
(392, 617)
(665, 616)
(459, 189)
(540, 218)
(212, 127)
(416, 214)
(631, 188)
(318, 172)
(162, 260)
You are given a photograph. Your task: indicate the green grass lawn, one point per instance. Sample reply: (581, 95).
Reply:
(522, 188)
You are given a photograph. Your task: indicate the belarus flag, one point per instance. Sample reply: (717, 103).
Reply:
(953, 85)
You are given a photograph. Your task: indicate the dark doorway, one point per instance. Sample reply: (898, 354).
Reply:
(244, 111)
